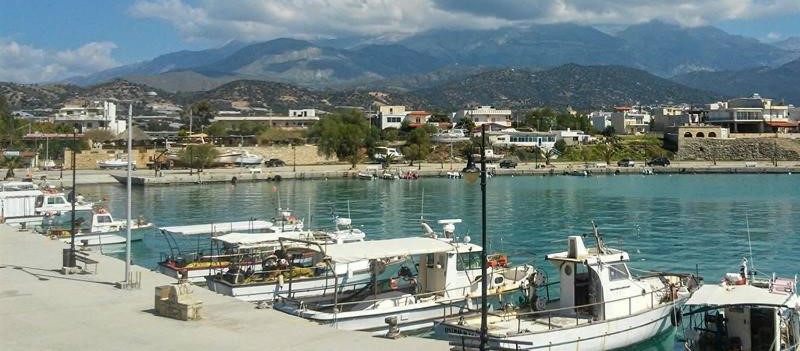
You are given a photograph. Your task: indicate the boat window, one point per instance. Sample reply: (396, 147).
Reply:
(60, 200)
(468, 260)
(618, 271)
(103, 219)
(430, 260)
(51, 201)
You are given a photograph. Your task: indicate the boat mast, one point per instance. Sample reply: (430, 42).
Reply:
(128, 184)
(598, 240)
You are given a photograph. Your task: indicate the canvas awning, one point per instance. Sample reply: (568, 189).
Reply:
(376, 249)
(717, 295)
(211, 228)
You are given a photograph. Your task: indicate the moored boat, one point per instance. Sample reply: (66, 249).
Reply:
(744, 312)
(600, 305)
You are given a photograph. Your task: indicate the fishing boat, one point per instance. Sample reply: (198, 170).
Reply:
(446, 282)
(243, 246)
(18, 202)
(299, 264)
(600, 305)
(119, 162)
(744, 312)
(101, 230)
(450, 136)
(248, 159)
(54, 202)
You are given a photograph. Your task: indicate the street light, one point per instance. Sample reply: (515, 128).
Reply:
(74, 197)
(294, 158)
(471, 175)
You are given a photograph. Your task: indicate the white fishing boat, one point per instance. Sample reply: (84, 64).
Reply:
(744, 312)
(600, 305)
(248, 159)
(18, 202)
(446, 282)
(228, 157)
(299, 266)
(54, 202)
(101, 229)
(119, 162)
(450, 136)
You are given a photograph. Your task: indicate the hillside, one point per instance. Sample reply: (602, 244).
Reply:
(582, 87)
(33, 96)
(777, 83)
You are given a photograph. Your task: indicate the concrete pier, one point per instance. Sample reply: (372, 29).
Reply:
(41, 309)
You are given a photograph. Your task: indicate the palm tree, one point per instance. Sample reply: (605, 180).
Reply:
(547, 154)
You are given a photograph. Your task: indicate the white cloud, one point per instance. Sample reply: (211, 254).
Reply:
(773, 36)
(25, 63)
(251, 20)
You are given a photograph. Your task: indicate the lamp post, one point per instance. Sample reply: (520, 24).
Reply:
(470, 177)
(74, 198)
(294, 158)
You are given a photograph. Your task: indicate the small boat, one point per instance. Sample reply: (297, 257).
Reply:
(445, 283)
(228, 157)
(53, 202)
(248, 159)
(450, 136)
(365, 175)
(120, 162)
(744, 312)
(99, 231)
(600, 305)
(454, 175)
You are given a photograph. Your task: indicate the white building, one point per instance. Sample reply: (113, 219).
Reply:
(483, 115)
(95, 115)
(627, 120)
(750, 115)
(307, 112)
(572, 137)
(512, 137)
(600, 120)
(390, 117)
(270, 121)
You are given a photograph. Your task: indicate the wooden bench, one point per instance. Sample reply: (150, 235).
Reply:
(83, 258)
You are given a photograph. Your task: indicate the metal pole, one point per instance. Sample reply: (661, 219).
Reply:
(191, 148)
(294, 159)
(128, 223)
(74, 198)
(484, 283)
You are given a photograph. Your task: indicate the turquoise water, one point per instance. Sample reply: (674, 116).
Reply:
(668, 223)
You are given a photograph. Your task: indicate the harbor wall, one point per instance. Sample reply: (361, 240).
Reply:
(749, 149)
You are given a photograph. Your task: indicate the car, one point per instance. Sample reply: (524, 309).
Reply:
(626, 162)
(274, 162)
(508, 164)
(658, 161)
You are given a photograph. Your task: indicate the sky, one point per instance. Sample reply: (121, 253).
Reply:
(43, 40)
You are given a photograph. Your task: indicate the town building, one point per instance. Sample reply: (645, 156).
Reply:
(307, 112)
(513, 137)
(390, 117)
(672, 116)
(483, 115)
(417, 118)
(753, 114)
(572, 137)
(269, 121)
(94, 115)
(628, 120)
(600, 120)
(675, 136)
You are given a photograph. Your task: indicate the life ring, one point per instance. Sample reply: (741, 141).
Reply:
(675, 317)
(502, 261)
(102, 210)
(393, 283)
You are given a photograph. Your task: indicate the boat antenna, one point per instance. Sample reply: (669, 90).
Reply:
(749, 243)
(598, 239)
(422, 207)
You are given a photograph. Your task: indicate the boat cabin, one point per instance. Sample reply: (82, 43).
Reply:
(590, 276)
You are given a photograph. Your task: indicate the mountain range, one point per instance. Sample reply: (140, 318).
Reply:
(581, 87)
(430, 58)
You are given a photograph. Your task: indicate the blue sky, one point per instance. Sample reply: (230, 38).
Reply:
(45, 40)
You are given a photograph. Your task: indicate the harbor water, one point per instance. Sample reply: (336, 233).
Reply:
(684, 223)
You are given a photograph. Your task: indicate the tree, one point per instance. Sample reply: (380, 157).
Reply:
(390, 134)
(547, 154)
(608, 150)
(467, 124)
(8, 123)
(198, 156)
(418, 145)
(216, 129)
(609, 132)
(561, 145)
(344, 134)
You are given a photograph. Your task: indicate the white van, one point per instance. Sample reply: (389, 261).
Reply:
(381, 152)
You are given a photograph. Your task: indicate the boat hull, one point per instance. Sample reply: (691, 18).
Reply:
(597, 335)
(268, 290)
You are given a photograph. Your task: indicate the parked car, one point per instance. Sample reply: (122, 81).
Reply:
(658, 161)
(626, 162)
(508, 164)
(274, 162)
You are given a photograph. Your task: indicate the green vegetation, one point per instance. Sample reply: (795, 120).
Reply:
(345, 134)
(10, 163)
(418, 146)
(544, 119)
(630, 147)
(274, 136)
(198, 156)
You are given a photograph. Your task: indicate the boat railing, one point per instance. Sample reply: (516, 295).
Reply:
(655, 301)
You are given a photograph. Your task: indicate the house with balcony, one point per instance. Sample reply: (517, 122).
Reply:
(600, 120)
(483, 115)
(513, 137)
(629, 120)
(753, 114)
(572, 137)
(93, 115)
